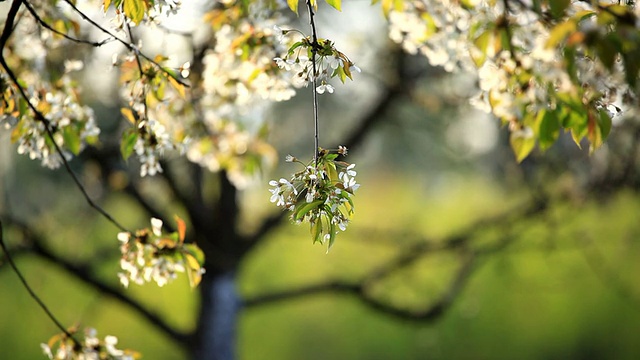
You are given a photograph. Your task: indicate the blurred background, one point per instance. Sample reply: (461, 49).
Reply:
(481, 257)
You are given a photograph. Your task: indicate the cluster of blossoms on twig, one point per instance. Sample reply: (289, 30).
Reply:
(534, 61)
(330, 62)
(320, 194)
(63, 347)
(156, 256)
(54, 95)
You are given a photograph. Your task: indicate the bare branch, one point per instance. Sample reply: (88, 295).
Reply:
(31, 292)
(459, 242)
(128, 45)
(40, 117)
(44, 24)
(83, 272)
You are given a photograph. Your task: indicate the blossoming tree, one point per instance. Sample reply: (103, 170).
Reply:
(542, 67)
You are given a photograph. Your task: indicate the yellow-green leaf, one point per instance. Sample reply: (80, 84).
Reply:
(304, 209)
(193, 270)
(560, 32)
(71, 139)
(293, 5)
(522, 143)
(336, 4)
(134, 10)
(105, 5)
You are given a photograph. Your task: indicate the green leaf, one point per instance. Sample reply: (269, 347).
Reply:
(316, 231)
(607, 51)
(294, 47)
(129, 139)
(558, 7)
(194, 272)
(522, 144)
(560, 32)
(482, 42)
(304, 209)
(134, 10)
(336, 4)
(604, 122)
(548, 128)
(332, 235)
(71, 139)
(193, 250)
(293, 5)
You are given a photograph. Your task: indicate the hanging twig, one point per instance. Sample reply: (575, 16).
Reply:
(314, 51)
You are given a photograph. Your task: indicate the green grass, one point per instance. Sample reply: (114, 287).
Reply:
(538, 299)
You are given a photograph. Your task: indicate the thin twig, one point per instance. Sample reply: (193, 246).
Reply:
(40, 117)
(85, 273)
(66, 36)
(314, 51)
(31, 292)
(144, 88)
(128, 45)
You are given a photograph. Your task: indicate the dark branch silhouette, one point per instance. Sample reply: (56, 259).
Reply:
(84, 273)
(31, 292)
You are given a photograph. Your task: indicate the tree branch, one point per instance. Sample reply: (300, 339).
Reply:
(6, 33)
(44, 24)
(83, 272)
(128, 45)
(459, 242)
(31, 292)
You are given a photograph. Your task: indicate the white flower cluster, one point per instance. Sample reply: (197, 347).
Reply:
(515, 78)
(152, 100)
(151, 145)
(72, 124)
(329, 63)
(149, 256)
(61, 347)
(239, 78)
(236, 150)
(319, 195)
(239, 73)
(440, 33)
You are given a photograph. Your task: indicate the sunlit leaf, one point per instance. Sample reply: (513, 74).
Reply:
(560, 32)
(548, 128)
(182, 228)
(336, 4)
(128, 114)
(193, 270)
(522, 144)
(134, 10)
(293, 5)
(71, 139)
(194, 251)
(305, 208)
(128, 142)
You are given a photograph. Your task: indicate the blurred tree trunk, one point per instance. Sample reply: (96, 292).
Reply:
(216, 331)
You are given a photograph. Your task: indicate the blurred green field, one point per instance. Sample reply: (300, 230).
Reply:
(565, 288)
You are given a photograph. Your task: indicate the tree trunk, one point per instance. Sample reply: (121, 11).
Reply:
(216, 331)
